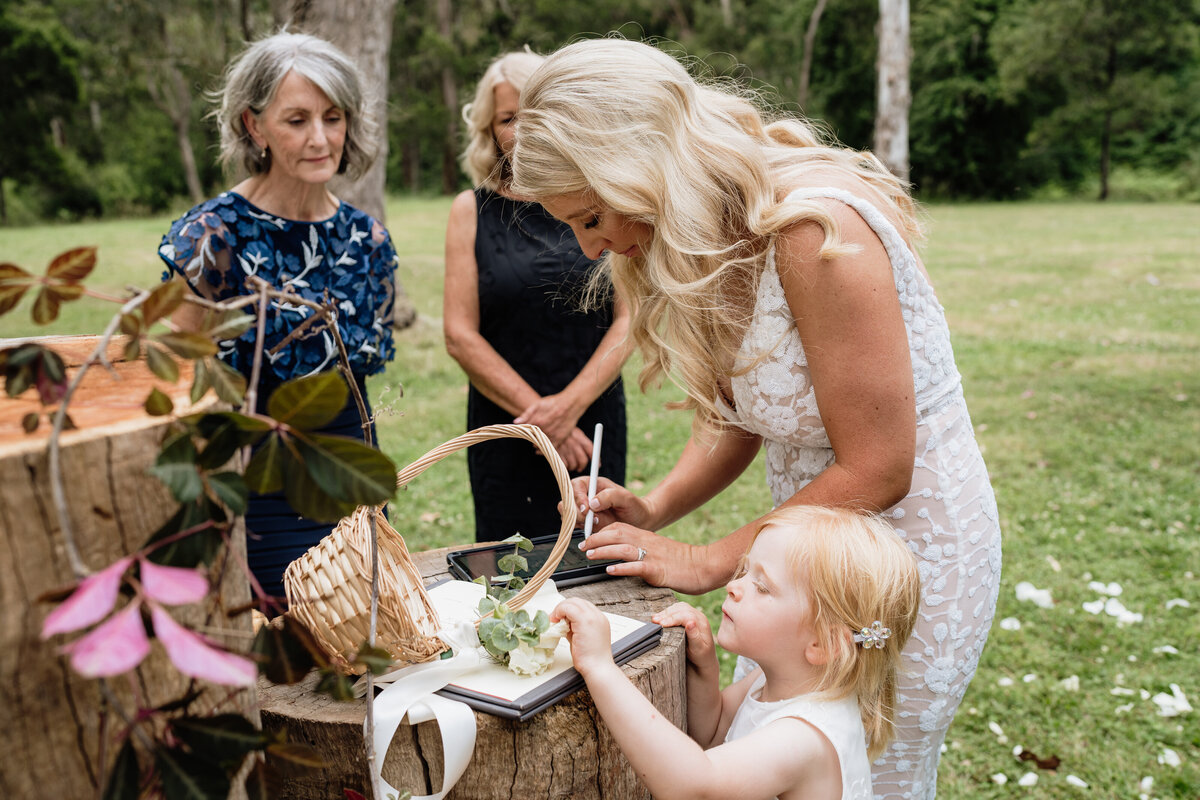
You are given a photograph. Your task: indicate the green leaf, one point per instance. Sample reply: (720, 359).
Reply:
(187, 345)
(14, 283)
(131, 325)
(161, 364)
(376, 659)
(133, 349)
(200, 382)
(210, 421)
(53, 367)
(45, 306)
(227, 324)
(186, 777)
(72, 265)
(306, 496)
(339, 687)
(541, 621)
(227, 382)
(18, 380)
(520, 541)
(264, 473)
(163, 301)
(230, 490)
(513, 563)
(309, 402)
(502, 637)
(285, 654)
(222, 739)
(348, 469)
(200, 547)
(30, 422)
(158, 405)
(176, 467)
(125, 776)
(222, 443)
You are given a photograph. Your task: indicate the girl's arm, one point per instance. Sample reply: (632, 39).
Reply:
(778, 758)
(485, 368)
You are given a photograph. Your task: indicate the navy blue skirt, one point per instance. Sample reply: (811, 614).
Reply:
(275, 534)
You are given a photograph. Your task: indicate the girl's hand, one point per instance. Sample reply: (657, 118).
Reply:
(589, 635)
(701, 650)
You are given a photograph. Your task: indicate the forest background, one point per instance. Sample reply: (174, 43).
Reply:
(104, 102)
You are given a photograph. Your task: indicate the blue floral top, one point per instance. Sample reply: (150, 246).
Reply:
(217, 244)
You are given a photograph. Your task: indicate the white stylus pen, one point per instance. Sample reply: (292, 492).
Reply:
(591, 517)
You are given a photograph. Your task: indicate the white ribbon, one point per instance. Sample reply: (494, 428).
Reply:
(411, 693)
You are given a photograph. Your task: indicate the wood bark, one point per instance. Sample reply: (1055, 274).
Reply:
(445, 24)
(55, 735)
(363, 30)
(893, 96)
(564, 752)
(810, 40)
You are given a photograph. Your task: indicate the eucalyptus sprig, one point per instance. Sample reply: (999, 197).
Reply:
(523, 643)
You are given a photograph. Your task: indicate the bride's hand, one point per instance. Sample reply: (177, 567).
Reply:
(657, 560)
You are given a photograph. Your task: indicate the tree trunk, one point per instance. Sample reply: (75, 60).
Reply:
(56, 733)
(3, 203)
(810, 39)
(363, 30)
(893, 96)
(445, 23)
(1110, 77)
(727, 13)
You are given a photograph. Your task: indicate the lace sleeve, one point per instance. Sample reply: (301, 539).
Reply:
(197, 247)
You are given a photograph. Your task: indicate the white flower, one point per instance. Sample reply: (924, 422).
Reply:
(1000, 779)
(1094, 607)
(1166, 648)
(1074, 781)
(1114, 608)
(1178, 601)
(1028, 678)
(1028, 779)
(1112, 589)
(1039, 597)
(530, 659)
(1010, 624)
(1070, 684)
(1005, 681)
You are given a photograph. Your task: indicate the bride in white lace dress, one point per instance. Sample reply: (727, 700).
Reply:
(775, 277)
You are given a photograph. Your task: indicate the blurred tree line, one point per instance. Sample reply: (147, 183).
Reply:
(103, 103)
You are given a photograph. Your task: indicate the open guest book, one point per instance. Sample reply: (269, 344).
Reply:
(493, 689)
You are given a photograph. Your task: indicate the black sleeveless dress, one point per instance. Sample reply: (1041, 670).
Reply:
(531, 280)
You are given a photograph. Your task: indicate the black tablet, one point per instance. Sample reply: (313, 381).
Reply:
(574, 567)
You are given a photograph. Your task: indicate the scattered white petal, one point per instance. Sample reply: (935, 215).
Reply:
(1111, 589)
(999, 779)
(1152, 279)
(1178, 601)
(1094, 607)
(1005, 681)
(1074, 781)
(1125, 709)
(1174, 704)
(1028, 779)
(1169, 758)
(1145, 694)
(1166, 648)
(996, 729)
(1146, 784)
(1131, 659)
(1071, 684)
(1119, 691)
(1039, 597)
(1114, 608)
(1053, 562)
(944, 748)
(1017, 750)
(1010, 624)
(1029, 677)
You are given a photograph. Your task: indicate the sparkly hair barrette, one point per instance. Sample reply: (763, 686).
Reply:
(873, 636)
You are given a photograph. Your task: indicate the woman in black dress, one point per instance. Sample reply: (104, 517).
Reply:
(515, 321)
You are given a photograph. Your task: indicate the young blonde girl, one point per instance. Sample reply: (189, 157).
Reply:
(823, 602)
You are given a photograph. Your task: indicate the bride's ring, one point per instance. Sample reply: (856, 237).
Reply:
(641, 554)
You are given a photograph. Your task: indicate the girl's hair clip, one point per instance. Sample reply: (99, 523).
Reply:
(873, 636)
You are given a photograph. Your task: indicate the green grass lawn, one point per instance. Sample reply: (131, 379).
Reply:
(1077, 330)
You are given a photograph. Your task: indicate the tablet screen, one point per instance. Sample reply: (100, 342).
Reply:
(573, 568)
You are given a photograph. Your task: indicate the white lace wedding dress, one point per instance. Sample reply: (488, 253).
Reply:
(949, 518)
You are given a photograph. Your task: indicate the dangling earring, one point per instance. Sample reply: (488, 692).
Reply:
(263, 154)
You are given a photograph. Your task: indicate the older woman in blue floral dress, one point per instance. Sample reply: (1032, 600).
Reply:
(292, 115)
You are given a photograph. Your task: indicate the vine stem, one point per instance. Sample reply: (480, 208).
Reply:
(60, 415)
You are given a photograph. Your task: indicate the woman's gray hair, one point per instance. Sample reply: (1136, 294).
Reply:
(253, 77)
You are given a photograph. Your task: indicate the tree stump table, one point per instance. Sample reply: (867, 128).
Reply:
(54, 739)
(565, 751)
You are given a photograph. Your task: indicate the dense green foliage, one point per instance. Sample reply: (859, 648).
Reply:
(1011, 98)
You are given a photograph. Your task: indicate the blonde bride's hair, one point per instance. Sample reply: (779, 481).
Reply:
(626, 123)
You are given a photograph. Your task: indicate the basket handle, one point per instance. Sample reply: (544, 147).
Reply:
(533, 434)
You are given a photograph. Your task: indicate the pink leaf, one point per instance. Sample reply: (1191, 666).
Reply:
(195, 657)
(91, 602)
(117, 646)
(172, 586)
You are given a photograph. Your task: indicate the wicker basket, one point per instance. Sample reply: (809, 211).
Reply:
(329, 587)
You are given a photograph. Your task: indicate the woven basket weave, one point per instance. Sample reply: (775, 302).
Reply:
(329, 587)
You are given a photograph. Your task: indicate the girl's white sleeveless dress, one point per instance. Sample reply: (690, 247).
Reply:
(839, 720)
(949, 518)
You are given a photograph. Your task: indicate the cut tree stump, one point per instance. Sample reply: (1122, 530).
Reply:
(51, 732)
(565, 751)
